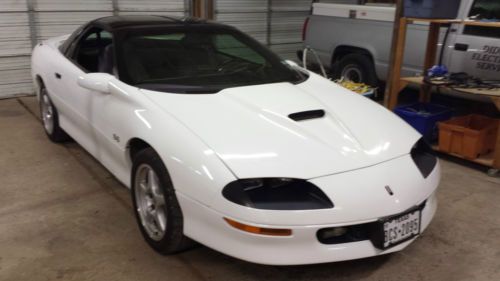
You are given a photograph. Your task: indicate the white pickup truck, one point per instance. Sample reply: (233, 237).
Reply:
(354, 41)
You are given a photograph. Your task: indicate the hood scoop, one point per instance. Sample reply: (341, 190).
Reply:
(307, 115)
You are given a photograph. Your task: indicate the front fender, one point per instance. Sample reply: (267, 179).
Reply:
(195, 170)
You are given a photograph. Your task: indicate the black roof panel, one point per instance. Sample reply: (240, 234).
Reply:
(117, 22)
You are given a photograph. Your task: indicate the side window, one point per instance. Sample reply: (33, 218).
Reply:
(94, 52)
(227, 44)
(64, 48)
(486, 10)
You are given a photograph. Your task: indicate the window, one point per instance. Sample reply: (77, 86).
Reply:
(227, 44)
(64, 48)
(198, 61)
(488, 10)
(93, 51)
(485, 10)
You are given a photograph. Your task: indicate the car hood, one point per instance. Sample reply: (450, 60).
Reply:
(250, 130)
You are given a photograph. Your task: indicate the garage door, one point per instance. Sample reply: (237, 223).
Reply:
(287, 19)
(15, 46)
(25, 22)
(275, 23)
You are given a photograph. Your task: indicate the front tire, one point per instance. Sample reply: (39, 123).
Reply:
(50, 119)
(157, 210)
(358, 68)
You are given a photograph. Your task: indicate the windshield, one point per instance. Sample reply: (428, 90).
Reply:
(200, 61)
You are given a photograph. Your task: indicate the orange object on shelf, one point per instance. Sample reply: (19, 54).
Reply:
(468, 136)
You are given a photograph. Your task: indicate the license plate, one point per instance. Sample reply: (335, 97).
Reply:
(401, 228)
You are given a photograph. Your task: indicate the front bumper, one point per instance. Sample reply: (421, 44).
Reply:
(302, 247)
(359, 197)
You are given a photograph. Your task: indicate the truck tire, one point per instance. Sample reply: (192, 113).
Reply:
(358, 68)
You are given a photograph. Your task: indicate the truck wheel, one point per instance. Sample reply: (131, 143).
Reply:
(357, 68)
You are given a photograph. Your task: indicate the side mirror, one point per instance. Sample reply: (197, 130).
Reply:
(291, 63)
(98, 82)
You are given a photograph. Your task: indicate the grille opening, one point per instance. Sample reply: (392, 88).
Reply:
(353, 233)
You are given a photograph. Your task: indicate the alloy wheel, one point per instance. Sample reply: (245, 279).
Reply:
(150, 202)
(47, 112)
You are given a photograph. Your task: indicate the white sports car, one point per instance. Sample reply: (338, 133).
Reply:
(224, 143)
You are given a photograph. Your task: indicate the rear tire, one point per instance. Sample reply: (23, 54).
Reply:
(157, 210)
(50, 119)
(358, 68)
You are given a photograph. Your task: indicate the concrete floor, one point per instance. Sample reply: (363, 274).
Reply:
(63, 216)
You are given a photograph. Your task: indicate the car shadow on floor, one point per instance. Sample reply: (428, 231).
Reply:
(216, 265)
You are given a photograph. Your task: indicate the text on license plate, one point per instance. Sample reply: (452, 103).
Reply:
(401, 228)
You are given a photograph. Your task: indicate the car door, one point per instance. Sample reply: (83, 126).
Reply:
(476, 49)
(105, 111)
(84, 57)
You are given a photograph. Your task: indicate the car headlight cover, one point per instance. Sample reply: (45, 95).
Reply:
(277, 194)
(424, 157)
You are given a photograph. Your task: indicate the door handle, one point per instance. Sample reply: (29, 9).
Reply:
(461, 47)
(58, 76)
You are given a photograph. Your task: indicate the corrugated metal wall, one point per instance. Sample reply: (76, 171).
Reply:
(276, 23)
(25, 22)
(287, 19)
(57, 17)
(157, 7)
(15, 46)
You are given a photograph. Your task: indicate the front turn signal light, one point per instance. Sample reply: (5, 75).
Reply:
(259, 230)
